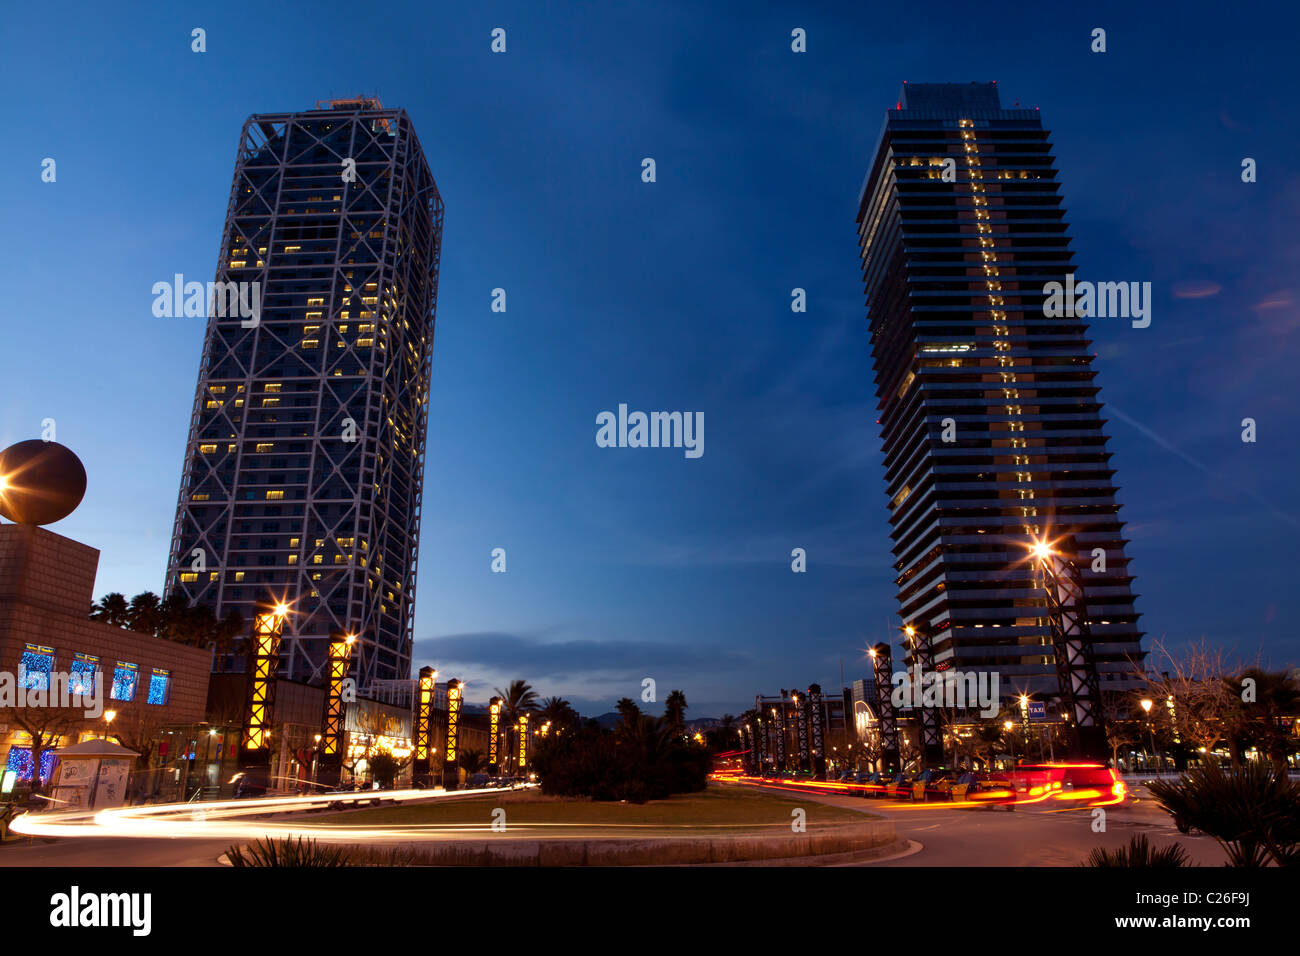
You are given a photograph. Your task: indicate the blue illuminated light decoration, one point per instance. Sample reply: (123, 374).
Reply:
(81, 680)
(20, 762)
(125, 676)
(34, 667)
(159, 682)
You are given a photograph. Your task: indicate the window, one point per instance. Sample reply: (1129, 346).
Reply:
(125, 677)
(34, 667)
(20, 763)
(81, 679)
(276, 494)
(159, 685)
(208, 449)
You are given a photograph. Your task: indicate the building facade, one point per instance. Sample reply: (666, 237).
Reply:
(990, 418)
(305, 460)
(47, 642)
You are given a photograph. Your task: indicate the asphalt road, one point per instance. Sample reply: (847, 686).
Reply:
(1032, 835)
(1028, 836)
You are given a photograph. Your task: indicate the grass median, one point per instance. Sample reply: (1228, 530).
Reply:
(721, 810)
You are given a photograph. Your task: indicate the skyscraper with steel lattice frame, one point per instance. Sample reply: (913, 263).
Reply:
(990, 419)
(305, 463)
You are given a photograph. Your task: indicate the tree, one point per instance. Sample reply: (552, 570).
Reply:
(727, 729)
(558, 712)
(1262, 711)
(472, 761)
(630, 713)
(111, 609)
(1124, 721)
(145, 614)
(1193, 680)
(384, 766)
(45, 726)
(675, 711)
(139, 732)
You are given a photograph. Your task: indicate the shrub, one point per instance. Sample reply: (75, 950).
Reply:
(288, 852)
(1140, 853)
(1251, 811)
(642, 761)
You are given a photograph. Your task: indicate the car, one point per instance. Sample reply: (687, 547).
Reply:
(1092, 784)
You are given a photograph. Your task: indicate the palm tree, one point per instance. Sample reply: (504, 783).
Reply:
(727, 729)
(675, 711)
(472, 760)
(629, 711)
(558, 712)
(517, 699)
(111, 609)
(144, 614)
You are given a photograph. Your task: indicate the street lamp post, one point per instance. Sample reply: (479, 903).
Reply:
(1009, 727)
(1151, 733)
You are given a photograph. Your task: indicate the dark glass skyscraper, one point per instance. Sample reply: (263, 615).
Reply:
(990, 421)
(305, 462)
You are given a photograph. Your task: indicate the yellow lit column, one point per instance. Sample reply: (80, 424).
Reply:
(255, 742)
(332, 729)
(423, 756)
(450, 776)
(523, 741)
(494, 732)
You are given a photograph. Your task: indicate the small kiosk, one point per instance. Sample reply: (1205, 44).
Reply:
(92, 775)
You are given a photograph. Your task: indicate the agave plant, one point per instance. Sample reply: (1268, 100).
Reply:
(288, 852)
(1251, 810)
(1140, 853)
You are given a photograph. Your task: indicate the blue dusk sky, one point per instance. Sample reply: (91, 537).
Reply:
(632, 563)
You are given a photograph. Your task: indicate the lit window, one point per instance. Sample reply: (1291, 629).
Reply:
(265, 446)
(189, 577)
(159, 685)
(275, 494)
(20, 763)
(316, 301)
(207, 449)
(270, 400)
(81, 679)
(202, 497)
(125, 677)
(271, 387)
(239, 575)
(311, 343)
(213, 403)
(34, 667)
(293, 559)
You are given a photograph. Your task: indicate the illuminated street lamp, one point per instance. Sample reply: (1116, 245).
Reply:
(1008, 726)
(1146, 708)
